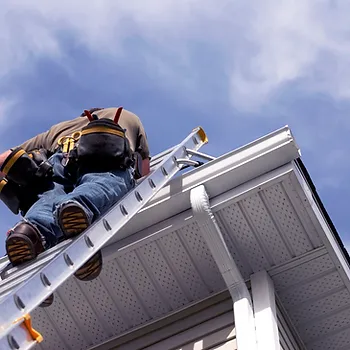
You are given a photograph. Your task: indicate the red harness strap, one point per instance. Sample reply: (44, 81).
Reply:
(116, 117)
(117, 114)
(89, 115)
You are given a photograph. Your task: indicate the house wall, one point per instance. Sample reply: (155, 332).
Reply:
(288, 340)
(217, 333)
(208, 325)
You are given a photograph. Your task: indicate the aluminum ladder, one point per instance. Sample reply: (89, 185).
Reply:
(16, 332)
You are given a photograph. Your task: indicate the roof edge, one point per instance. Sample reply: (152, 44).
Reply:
(306, 175)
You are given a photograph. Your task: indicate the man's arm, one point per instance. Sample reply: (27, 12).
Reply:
(3, 157)
(36, 142)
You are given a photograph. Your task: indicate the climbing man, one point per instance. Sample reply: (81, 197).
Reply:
(64, 179)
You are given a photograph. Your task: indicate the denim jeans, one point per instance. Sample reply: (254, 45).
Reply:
(95, 192)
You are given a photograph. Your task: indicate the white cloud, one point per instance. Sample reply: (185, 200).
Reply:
(294, 39)
(266, 44)
(5, 108)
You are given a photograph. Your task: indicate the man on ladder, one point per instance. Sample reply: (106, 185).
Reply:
(67, 177)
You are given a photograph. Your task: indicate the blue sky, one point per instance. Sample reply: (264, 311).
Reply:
(240, 69)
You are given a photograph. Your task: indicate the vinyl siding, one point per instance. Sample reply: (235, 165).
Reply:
(208, 325)
(217, 333)
(288, 340)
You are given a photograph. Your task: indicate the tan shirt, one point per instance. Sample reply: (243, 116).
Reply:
(129, 121)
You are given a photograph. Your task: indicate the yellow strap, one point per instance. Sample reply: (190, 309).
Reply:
(67, 142)
(3, 182)
(12, 161)
(102, 129)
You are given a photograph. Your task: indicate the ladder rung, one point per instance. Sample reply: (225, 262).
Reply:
(200, 155)
(188, 162)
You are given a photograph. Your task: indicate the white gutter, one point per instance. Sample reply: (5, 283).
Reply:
(242, 303)
(220, 175)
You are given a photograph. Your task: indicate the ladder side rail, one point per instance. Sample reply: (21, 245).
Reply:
(160, 156)
(38, 287)
(13, 275)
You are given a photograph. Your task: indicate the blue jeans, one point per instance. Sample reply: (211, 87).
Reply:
(95, 192)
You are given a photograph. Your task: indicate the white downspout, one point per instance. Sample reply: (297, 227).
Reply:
(242, 303)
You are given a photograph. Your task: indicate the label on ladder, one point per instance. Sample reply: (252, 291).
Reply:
(29, 294)
(22, 337)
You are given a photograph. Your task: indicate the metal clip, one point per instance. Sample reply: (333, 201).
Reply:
(67, 143)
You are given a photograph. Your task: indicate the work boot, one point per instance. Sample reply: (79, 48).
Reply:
(73, 221)
(48, 301)
(24, 244)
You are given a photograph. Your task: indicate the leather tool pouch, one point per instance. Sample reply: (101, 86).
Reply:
(9, 195)
(137, 165)
(27, 176)
(19, 167)
(102, 147)
(15, 197)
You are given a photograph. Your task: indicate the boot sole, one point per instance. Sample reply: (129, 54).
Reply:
(91, 269)
(73, 221)
(47, 302)
(21, 250)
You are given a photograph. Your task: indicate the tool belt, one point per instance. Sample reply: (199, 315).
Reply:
(27, 175)
(101, 147)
